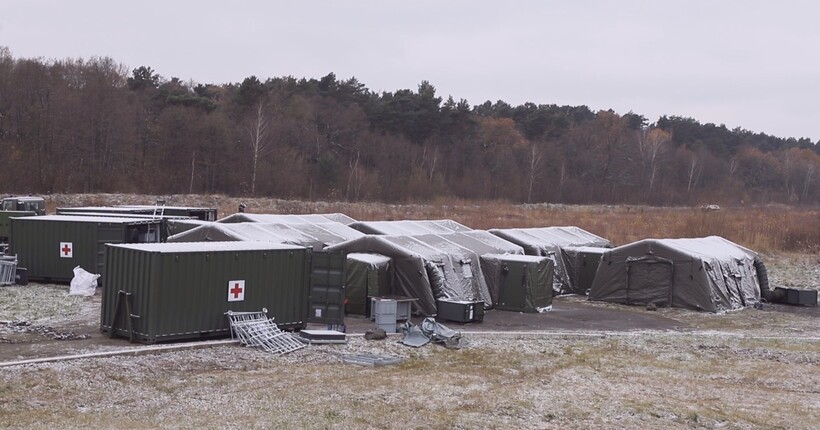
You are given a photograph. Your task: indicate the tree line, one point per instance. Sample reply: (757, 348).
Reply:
(93, 125)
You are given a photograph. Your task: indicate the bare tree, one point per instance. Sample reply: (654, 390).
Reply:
(260, 145)
(652, 147)
(811, 169)
(693, 172)
(534, 169)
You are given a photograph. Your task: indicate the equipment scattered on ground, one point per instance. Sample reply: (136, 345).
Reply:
(255, 329)
(8, 270)
(371, 360)
(319, 337)
(431, 331)
(375, 334)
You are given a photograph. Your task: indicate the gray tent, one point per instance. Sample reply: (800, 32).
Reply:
(176, 226)
(316, 235)
(550, 242)
(520, 283)
(410, 227)
(288, 218)
(366, 275)
(710, 274)
(427, 267)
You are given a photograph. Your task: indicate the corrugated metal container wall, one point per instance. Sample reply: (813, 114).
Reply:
(51, 246)
(182, 290)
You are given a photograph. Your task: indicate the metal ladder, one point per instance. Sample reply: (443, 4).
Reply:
(159, 209)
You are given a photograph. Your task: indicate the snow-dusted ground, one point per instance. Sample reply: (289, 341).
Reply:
(746, 369)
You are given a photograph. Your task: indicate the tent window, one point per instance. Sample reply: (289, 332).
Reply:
(466, 269)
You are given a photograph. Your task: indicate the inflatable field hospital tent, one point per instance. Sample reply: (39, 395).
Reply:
(435, 266)
(410, 227)
(709, 274)
(426, 268)
(314, 235)
(288, 218)
(559, 244)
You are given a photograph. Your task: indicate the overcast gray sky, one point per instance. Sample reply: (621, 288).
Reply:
(751, 64)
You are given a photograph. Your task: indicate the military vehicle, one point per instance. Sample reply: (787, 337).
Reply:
(17, 207)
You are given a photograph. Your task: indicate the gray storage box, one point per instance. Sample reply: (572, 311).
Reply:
(462, 311)
(384, 312)
(796, 296)
(175, 291)
(404, 306)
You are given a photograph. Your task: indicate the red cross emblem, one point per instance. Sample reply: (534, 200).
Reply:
(236, 291)
(66, 250)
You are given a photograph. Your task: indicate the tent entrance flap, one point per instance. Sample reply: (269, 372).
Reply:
(649, 280)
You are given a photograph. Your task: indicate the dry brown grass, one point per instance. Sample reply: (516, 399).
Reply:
(768, 228)
(645, 381)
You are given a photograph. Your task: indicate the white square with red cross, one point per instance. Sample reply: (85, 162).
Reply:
(66, 250)
(236, 291)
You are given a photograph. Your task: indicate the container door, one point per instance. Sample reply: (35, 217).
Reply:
(649, 280)
(105, 234)
(513, 288)
(327, 289)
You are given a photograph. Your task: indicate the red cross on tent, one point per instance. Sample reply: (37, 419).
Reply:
(66, 250)
(236, 291)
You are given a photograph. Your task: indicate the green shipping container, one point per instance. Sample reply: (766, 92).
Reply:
(181, 291)
(5, 222)
(94, 210)
(50, 246)
(204, 214)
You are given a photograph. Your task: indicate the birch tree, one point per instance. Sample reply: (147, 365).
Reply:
(260, 144)
(651, 148)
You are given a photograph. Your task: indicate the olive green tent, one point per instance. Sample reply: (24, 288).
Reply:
(367, 275)
(710, 274)
(552, 242)
(520, 283)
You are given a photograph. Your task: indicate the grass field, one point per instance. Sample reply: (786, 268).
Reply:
(740, 370)
(649, 380)
(767, 228)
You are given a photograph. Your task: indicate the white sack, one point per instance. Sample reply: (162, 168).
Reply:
(84, 283)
